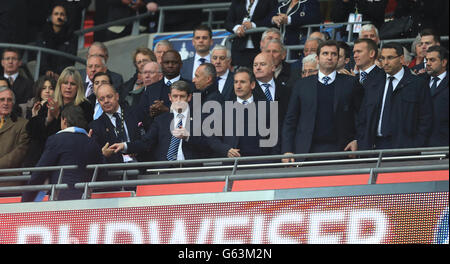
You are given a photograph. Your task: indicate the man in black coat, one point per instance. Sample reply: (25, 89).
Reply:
(397, 113)
(322, 110)
(22, 87)
(437, 78)
(70, 146)
(221, 59)
(365, 54)
(242, 16)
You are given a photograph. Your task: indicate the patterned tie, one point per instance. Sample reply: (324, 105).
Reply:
(434, 85)
(119, 128)
(326, 79)
(202, 60)
(11, 80)
(169, 83)
(98, 110)
(386, 123)
(175, 142)
(89, 90)
(363, 77)
(267, 92)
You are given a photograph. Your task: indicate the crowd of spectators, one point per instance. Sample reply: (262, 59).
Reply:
(333, 97)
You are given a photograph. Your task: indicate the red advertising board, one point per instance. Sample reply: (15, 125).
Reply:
(393, 218)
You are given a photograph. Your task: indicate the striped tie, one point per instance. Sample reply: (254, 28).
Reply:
(326, 79)
(169, 83)
(267, 92)
(175, 142)
(2, 121)
(363, 77)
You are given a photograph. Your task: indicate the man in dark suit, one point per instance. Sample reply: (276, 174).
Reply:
(115, 125)
(322, 109)
(22, 87)
(221, 59)
(206, 84)
(245, 144)
(202, 42)
(94, 64)
(278, 51)
(99, 49)
(396, 113)
(169, 138)
(242, 16)
(365, 54)
(267, 87)
(70, 146)
(428, 38)
(437, 78)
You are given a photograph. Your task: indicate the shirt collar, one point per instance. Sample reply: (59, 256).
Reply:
(14, 76)
(184, 113)
(331, 75)
(368, 70)
(249, 100)
(441, 76)
(207, 57)
(271, 82)
(225, 75)
(398, 76)
(172, 80)
(119, 110)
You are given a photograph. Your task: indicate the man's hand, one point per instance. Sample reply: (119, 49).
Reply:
(181, 133)
(352, 146)
(288, 160)
(158, 107)
(117, 147)
(240, 31)
(233, 153)
(107, 152)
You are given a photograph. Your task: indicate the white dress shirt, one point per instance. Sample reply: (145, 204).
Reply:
(332, 77)
(398, 76)
(271, 88)
(221, 82)
(441, 77)
(14, 76)
(241, 101)
(252, 10)
(172, 80)
(368, 70)
(126, 158)
(197, 62)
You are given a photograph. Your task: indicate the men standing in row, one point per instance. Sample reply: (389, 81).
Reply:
(202, 42)
(322, 109)
(437, 78)
(396, 113)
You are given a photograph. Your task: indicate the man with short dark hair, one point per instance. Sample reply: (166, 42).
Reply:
(169, 138)
(22, 87)
(206, 84)
(428, 38)
(396, 113)
(70, 146)
(322, 109)
(365, 53)
(202, 42)
(437, 77)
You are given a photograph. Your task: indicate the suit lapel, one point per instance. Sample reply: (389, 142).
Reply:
(441, 86)
(7, 125)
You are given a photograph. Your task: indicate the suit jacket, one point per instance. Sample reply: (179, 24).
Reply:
(304, 13)
(261, 17)
(282, 95)
(439, 134)
(66, 148)
(248, 145)
(23, 89)
(14, 142)
(411, 113)
(299, 123)
(104, 132)
(374, 78)
(187, 69)
(228, 87)
(157, 140)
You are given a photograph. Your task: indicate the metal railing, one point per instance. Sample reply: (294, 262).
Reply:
(41, 50)
(373, 156)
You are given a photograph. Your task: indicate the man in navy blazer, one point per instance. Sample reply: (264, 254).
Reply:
(70, 146)
(169, 137)
(202, 42)
(322, 110)
(396, 113)
(437, 78)
(365, 54)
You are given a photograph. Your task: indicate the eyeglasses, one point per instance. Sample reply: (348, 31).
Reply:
(389, 58)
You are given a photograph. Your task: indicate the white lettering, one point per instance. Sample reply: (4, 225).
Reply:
(37, 231)
(356, 223)
(222, 223)
(131, 228)
(279, 220)
(319, 236)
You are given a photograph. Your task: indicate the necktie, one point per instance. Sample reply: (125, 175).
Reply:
(175, 142)
(11, 80)
(202, 60)
(89, 90)
(169, 83)
(363, 76)
(245, 102)
(119, 128)
(386, 121)
(2, 121)
(267, 92)
(434, 85)
(326, 79)
(98, 110)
